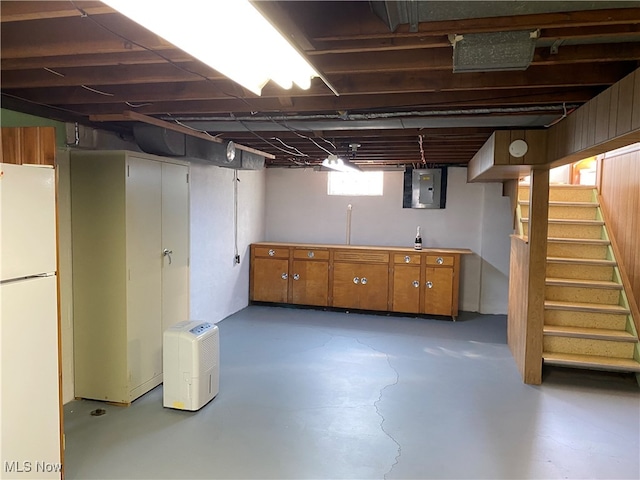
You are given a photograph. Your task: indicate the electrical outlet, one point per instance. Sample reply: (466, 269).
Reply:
(237, 258)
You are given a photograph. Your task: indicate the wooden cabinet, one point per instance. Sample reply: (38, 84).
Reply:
(281, 274)
(130, 230)
(361, 279)
(407, 284)
(270, 274)
(426, 283)
(310, 277)
(439, 294)
(355, 277)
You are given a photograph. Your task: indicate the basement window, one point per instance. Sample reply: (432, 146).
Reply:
(355, 183)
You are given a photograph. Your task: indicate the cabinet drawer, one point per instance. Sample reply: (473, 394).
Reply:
(361, 256)
(271, 251)
(408, 258)
(310, 254)
(436, 260)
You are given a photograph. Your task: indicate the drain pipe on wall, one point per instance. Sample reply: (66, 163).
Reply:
(348, 240)
(236, 254)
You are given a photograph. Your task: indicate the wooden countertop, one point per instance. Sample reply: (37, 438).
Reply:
(461, 251)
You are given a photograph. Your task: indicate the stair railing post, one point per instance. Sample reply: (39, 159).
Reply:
(538, 229)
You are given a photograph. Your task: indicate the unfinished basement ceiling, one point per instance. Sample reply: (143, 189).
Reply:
(399, 97)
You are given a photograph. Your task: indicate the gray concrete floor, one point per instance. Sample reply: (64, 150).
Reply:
(307, 394)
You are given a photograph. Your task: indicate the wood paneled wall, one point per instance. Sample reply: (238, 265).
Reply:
(620, 193)
(518, 301)
(606, 122)
(28, 145)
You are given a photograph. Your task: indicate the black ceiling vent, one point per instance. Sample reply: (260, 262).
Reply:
(169, 143)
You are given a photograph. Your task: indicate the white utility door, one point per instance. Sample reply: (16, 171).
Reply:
(175, 239)
(144, 261)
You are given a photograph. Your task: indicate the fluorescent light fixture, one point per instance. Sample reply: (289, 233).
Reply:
(230, 36)
(335, 163)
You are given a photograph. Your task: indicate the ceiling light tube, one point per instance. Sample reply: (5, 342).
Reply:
(230, 36)
(335, 163)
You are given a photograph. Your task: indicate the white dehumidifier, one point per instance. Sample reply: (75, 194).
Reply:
(190, 362)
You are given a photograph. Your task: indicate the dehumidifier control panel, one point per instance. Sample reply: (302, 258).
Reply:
(201, 328)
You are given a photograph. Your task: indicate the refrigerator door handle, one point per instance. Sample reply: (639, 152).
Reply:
(28, 277)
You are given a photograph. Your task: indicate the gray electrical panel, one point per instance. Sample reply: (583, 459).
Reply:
(425, 188)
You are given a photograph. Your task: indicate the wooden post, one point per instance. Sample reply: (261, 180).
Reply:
(538, 228)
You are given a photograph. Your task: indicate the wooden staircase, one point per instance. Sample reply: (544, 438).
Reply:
(587, 322)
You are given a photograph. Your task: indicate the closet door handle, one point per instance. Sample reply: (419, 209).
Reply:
(167, 253)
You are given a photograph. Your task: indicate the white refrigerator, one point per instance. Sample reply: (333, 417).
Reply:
(30, 387)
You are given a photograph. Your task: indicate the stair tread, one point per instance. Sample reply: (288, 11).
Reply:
(561, 186)
(591, 361)
(592, 333)
(556, 203)
(574, 282)
(590, 307)
(587, 261)
(583, 261)
(570, 221)
(589, 241)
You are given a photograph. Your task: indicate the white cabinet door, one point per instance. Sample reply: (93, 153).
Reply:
(175, 239)
(144, 263)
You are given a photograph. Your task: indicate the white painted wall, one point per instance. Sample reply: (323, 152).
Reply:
(219, 287)
(476, 216)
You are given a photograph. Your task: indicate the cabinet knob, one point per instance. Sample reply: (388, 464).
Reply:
(407, 259)
(296, 276)
(416, 283)
(284, 276)
(439, 261)
(356, 280)
(310, 254)
(272, 252)
(363, 281)
(429, 284)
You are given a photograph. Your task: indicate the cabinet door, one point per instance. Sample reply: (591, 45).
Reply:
(270, 279)
(144, 263)
(345, 290)
(310, 282)
(175, 239)
(406, 288)
(360, 285)
(438, 296)
(374, 283)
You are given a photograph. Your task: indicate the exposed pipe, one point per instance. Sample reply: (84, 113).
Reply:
(76, 141)
(381, 115)
(348, 241)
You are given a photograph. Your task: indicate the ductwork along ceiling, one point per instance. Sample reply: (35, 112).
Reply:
(419, 82)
